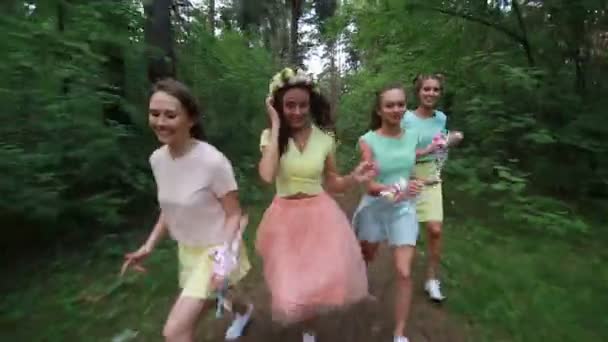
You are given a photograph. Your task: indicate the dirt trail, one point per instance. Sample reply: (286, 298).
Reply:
(367, 322)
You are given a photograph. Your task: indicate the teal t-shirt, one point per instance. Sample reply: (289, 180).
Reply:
(426, 128)
(394, 156)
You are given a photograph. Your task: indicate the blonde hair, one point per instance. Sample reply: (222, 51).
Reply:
(420, 78)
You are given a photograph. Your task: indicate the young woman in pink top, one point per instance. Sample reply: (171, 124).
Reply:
(311, 257)
(199, 207)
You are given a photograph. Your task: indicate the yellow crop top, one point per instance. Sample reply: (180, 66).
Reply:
(302, 172)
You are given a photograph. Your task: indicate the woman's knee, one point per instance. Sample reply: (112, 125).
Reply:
(174, 330)
(404, 273)
(403, 263)
(434, 230)
(181, 323)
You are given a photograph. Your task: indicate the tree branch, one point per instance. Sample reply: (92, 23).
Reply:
(515, 36)
(525, 43)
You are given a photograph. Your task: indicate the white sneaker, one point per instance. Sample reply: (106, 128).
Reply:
(433, 289)
(400, 339)
(308, 337)
(238, 324)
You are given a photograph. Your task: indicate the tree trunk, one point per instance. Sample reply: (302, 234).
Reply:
(525, 42)
(61, 18)
(278, 34)
(294, 47)
(284, 35)
(334, 77)
(211, 16)
(114, 70)
(159, 39)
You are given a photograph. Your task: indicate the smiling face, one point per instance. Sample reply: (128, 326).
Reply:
(168, 119)
(429, 93)
(392, 106)
(296, 107)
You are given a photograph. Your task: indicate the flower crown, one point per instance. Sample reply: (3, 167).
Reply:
(289, 77)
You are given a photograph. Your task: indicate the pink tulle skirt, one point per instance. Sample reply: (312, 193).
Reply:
(311, 258)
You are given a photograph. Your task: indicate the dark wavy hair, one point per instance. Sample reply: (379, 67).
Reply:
(183, 94)
(320, 113)
(375, 119)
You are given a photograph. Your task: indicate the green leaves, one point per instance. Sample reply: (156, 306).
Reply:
(63, 165)
(528, 130)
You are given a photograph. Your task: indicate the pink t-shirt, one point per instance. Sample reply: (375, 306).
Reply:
(189, 191)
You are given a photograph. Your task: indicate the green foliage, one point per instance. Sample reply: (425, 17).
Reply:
(79, 296)
(75, 141)
(528, 130)
(526, 84)
(63, 163)
(507, 287)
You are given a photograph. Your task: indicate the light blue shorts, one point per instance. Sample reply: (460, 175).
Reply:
(378, 220)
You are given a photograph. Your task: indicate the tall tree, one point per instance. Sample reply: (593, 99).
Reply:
(324, 10)
(296, 7)
(159, 39)
(268, 18)
(114, 65)
(61, 21)
(211, 15)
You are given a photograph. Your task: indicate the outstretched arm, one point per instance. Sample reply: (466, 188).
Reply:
(333, 180)
(367, 155)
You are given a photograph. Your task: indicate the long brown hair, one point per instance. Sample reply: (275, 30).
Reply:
(320, 113)
(375, 119)
(183, 94)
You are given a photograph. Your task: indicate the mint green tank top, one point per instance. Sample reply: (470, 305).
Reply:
(395, 157)
(427, 128)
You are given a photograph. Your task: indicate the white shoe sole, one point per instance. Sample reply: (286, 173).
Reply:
(434, 299)
(244, 326)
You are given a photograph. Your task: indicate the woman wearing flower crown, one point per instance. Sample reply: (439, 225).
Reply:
(429, 122)
(311, 257)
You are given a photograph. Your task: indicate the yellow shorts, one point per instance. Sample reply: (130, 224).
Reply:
(196, 270)
(429, 206)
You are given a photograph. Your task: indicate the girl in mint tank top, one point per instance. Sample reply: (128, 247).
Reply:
(394, 156)
(377, 219)
(429, 121)
(427, 127)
